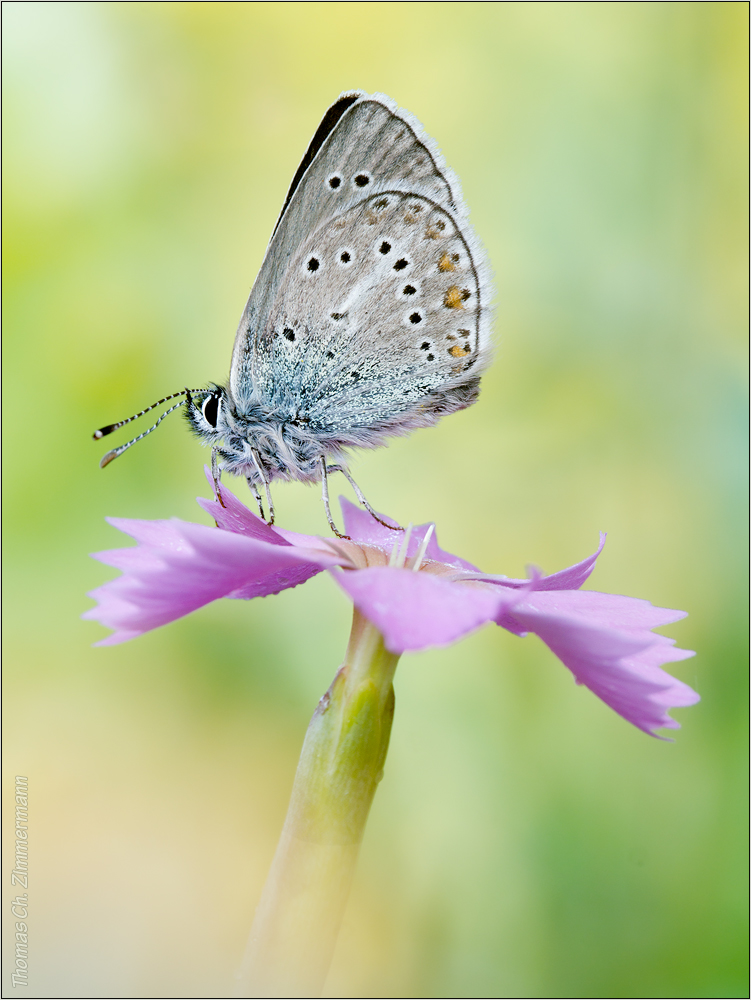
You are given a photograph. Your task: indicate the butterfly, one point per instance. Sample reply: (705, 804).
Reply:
(369, 317)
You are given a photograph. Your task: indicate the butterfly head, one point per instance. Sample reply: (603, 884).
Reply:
(213, 417)
(208, 413)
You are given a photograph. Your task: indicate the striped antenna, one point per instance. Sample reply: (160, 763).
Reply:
(116, 452)
(104, 431)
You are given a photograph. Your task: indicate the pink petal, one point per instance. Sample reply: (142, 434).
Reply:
(233, 515)
(416, 610)
(363, 528)
(565, 579)
(179, 566)
(573, 577)
(606, 642)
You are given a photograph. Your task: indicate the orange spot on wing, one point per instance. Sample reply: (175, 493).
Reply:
(455, 296)
(446, 264)
(458, 352)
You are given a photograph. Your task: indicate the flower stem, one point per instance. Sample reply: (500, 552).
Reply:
(301, 908)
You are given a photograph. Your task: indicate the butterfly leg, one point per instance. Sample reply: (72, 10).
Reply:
(266, 489)
(216, 475)
(254, 490)
(360, 496)
(325, 497)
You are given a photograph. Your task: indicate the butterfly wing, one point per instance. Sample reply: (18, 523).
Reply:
(370, 313)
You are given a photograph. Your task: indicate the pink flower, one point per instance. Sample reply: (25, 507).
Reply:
(416, 594)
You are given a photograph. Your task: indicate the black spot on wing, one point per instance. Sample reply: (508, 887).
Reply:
(324, 130)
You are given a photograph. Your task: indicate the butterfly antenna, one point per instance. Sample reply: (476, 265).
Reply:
(116, 452)
(104, 431)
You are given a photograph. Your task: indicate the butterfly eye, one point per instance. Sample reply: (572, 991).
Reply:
(210, 409)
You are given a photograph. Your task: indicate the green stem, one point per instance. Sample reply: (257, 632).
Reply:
(301, 908)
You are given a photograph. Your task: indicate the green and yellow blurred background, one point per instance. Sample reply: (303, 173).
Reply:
(525, 841)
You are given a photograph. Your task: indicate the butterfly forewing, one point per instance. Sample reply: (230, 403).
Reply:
(369, 309)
